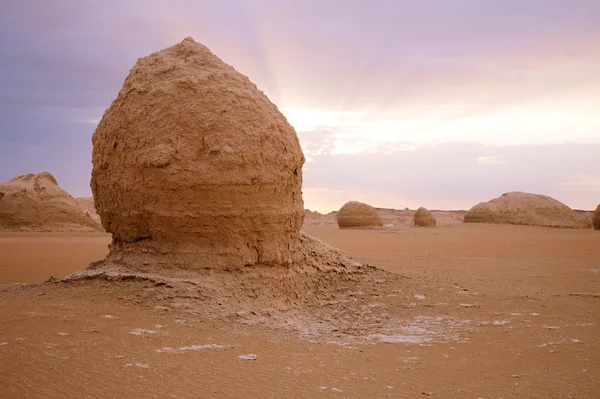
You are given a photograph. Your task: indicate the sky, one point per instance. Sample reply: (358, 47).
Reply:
(441, 104)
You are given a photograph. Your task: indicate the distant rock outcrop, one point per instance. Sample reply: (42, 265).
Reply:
(87, 206)
(424, 218)
(194, 167)
(596, 219)
(358, 215)
(525, 209)
(36, 203)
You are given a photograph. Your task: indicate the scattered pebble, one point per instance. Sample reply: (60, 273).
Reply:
(3, 343)
(500, 322)
(336, 390)
(250, 356)
(575, 341)
(534, 314)
(551, 327)
(62, 333)
(419, 297)
(140, 331)
(168, 349)
(141, 365)
(107, 316)
(322, 388)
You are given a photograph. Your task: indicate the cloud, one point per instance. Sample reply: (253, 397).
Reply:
(584, 182)
(489, 160)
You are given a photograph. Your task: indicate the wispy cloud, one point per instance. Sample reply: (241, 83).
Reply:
(489, 160)
(583, 182)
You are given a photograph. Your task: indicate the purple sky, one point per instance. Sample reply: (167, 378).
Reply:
(397, 103)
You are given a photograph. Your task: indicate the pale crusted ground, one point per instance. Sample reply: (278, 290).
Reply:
(462, 311)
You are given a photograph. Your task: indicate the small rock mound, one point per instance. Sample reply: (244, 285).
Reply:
(424, 218)
(36, 203)
(525, 209)
(358, 215)
(596, 219)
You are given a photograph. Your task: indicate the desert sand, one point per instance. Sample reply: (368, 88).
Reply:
(480, 310)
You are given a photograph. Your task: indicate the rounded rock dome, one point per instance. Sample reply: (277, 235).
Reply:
(358, 215)
(192, 162)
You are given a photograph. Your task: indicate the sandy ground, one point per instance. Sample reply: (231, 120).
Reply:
(498, 312)
(34, 257)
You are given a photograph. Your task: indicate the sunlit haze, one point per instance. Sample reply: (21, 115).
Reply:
(396, 103)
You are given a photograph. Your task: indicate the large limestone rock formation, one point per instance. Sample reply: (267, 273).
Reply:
(358, 215)
(424, 218)
(596, 219)
(194, 167)
(197, 175)
(36, 203)
(525, 209)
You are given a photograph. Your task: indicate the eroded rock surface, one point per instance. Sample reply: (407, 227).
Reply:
(194, 167)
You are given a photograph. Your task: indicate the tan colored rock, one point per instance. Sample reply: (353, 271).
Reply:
(36, 203)
(525, 209)
(424, 218)
(87, 206)
(358, 215)
(194, 167)
(596, 219)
